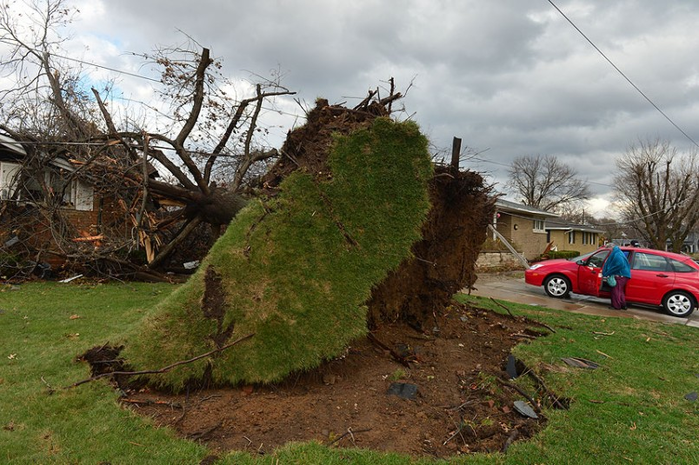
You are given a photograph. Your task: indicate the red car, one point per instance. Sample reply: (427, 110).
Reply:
(658, 278)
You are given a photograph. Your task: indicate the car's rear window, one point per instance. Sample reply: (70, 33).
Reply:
(681, 267)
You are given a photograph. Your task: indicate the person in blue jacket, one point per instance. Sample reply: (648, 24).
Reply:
(618, 266)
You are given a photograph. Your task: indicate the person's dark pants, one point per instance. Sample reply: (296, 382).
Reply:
(619, 293)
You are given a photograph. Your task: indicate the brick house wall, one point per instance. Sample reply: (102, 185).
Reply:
(521, 233)
(579, 240)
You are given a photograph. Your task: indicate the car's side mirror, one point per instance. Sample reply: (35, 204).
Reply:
(580, 262)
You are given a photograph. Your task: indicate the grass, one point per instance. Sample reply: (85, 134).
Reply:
(630, 410)
(43, 327)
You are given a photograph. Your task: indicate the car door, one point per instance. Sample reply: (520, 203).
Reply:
(590, 273)
(651, 277)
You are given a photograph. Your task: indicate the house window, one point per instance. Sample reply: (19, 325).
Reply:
(539, 225)
(60, 188)
(55, 188)
(571, 237)
(73, 195)
(589, 238)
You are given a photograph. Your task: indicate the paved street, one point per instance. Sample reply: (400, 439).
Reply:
(511, 287)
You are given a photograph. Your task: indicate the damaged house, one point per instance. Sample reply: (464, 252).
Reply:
(53, 212)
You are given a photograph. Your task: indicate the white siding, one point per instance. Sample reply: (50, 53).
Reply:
(9, 173)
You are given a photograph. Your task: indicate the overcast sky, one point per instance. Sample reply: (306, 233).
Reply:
(509, 77)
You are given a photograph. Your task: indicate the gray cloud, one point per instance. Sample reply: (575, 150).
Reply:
(512, 77)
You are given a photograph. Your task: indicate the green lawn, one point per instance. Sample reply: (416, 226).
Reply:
(630, 410)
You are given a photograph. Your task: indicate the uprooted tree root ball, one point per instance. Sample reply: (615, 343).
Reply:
(354, 231)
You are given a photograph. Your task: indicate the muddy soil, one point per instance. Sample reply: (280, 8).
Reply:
(360, 401)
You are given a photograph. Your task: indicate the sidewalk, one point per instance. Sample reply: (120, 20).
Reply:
(510, 286)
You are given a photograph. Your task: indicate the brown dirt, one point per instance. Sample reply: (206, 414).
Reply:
(459, 408)
(444, 260)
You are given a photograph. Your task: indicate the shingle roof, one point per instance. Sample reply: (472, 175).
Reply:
(506, 205)
(569, 226)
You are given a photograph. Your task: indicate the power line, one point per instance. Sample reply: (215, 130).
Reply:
(140, 76)
(622, 74)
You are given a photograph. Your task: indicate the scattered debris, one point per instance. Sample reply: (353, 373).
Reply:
(511, 368)
(580, 363)
(190, 265)
(73, 278)
(509, 312)
(403, 390)
(692, 396)
(524, 408)
(602, 333)
(349, 433)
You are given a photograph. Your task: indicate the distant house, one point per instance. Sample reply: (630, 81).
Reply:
(690, 245)
(522, 226)
(571, 236)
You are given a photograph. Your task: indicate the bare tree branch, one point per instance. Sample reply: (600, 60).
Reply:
(659, 192)
(545, 183)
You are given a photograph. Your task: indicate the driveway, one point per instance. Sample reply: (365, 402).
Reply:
(510, 286)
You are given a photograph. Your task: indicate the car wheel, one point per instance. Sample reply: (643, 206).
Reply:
(557, 286)
(678, 303)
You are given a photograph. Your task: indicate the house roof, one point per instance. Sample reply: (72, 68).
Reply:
(512, 207)
(558, 225)
(11, 149)
(11, 146)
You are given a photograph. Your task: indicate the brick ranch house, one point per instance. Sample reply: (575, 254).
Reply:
(522, 226)
(570, 236)
(530, 232)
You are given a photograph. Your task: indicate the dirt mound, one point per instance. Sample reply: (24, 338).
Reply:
(306, 148)
(459, 405)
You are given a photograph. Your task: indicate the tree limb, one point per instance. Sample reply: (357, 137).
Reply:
(164, 369)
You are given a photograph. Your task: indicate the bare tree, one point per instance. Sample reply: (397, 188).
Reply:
(54, 118)
(543, 182)
(659, 192)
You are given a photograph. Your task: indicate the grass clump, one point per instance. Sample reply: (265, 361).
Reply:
(296, 270)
